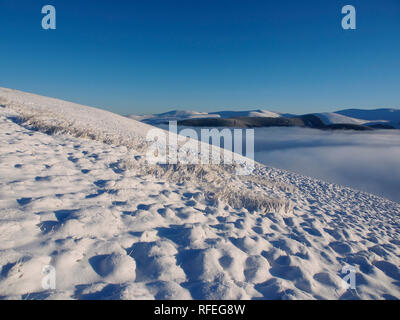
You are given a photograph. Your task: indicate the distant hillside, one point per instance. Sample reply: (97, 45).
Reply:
(310, 121)
(171, 115)
(155, 119)
(385, 116)
(351, 119)
(251, 113)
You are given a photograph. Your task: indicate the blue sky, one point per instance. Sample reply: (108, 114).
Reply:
(154, 56)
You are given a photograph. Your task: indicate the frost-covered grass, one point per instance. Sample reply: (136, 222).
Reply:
(220, 183)
(51, 123)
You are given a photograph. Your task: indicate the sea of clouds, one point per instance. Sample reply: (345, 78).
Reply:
(364, 160)
(368, 161)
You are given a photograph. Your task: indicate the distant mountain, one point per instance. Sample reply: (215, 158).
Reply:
(171, 115)
(186, 114)
(377, 118)
(353, 119)
(384, 116)
(335, 118)
(372, 115)
(310, 121)
(251, 113)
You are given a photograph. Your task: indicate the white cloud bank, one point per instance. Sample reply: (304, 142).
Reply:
(368, 161)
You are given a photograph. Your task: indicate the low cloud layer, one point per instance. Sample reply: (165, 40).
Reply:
(364, 160)
(368, 161)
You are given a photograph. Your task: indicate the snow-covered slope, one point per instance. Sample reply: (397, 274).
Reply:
(115, 228)
(80, 120)
(185, 114)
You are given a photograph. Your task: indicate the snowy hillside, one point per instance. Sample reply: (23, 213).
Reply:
(76, 193)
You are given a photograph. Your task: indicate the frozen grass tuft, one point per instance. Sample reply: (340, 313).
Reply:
(220, 183)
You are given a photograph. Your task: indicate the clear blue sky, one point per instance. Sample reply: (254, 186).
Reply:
(153, 56)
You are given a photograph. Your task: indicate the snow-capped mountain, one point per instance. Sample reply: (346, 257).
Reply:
(378, 118)
(389, 117)
(372, 115)
(385, 116)
(185, 114)
(335, 118)
(77, 195)
(251, 113)
(171, 115)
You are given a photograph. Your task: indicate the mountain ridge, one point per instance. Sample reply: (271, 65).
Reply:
(357, 119)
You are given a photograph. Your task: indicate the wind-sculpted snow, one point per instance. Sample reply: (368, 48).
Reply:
(116, 227)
